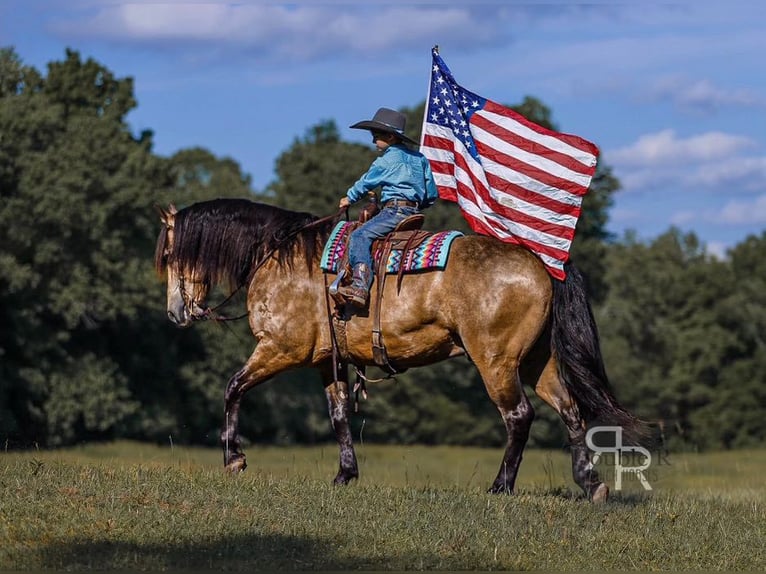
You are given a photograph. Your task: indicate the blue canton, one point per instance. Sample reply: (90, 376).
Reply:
(451, 106)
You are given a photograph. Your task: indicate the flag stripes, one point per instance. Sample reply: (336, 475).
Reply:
(513, 179)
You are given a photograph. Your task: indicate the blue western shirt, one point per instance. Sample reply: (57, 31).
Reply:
(401, 173)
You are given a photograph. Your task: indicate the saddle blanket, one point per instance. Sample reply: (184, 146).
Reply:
(431, 254)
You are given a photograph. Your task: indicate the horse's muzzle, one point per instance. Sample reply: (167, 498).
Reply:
(181, 319)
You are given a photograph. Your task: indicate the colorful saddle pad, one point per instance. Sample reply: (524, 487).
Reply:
(431, 254)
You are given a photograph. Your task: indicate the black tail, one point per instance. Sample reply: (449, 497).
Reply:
(575, 341)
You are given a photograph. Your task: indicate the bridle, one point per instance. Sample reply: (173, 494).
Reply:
(200, 313)
(197, 311)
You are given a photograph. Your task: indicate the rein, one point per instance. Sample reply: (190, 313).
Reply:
(211, 313)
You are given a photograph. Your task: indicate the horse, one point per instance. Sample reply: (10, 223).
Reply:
(493, 302)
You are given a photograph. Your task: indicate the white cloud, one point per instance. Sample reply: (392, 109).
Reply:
(707, 167)
(748, 172)
(665, 148)
(681, 218)
(744, 215)
(702, 94)
(743, 212)
(732, 177)
(717, 249)
(296, 32)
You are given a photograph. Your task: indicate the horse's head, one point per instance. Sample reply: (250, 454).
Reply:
(186, 292)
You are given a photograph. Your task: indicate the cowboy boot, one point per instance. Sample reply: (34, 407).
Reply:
(360, 286)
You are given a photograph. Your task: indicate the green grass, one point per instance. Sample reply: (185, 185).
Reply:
(140, 507)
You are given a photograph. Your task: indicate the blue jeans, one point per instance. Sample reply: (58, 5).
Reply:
(360, 243)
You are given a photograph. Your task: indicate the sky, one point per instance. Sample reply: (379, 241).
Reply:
(673, 94)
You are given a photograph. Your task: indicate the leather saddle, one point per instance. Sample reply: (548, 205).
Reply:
(407, 236)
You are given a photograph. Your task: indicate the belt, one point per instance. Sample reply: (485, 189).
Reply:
(399, 203)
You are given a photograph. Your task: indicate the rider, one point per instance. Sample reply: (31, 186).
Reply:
(407, 186)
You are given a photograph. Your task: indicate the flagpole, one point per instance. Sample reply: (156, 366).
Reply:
(428, 94)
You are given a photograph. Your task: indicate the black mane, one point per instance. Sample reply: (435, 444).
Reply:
(223, 239)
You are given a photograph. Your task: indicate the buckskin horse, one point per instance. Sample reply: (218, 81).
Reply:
(493, 302)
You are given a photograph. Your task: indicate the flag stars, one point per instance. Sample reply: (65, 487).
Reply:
(450, 106)
(452, 113)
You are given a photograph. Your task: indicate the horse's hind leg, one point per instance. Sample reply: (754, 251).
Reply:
(338, 399)
(504, 387)
(549, 388)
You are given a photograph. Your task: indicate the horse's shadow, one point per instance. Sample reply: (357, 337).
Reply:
(250, 552)
(234, 553)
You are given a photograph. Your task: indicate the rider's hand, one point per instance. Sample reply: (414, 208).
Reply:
(344, 202)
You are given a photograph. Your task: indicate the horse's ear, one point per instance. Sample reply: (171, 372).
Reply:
(166, 216)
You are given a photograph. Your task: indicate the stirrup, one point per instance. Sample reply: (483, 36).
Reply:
(353, 295)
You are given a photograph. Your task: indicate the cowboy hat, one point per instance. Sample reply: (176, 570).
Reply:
(387, 121)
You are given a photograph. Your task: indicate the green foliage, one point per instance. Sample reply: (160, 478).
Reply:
(197, 175)
(86, 351)
(315, 172)
(591, 239)
(73, 229)
(679, 342)
(444, 403)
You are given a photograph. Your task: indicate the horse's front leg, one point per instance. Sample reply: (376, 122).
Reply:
(264, 363)
(233, 457)
(338, 400)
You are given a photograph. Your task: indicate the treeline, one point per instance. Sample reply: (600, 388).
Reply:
(86, 351)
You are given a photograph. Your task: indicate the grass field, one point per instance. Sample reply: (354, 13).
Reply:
(128, 506)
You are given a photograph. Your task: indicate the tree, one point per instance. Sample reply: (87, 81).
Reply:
(315, 172)
(669, 335)
(73, 228)
(733, 416)
(198, 175)
(87, 353)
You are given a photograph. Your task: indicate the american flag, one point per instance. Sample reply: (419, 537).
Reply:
(513, 179)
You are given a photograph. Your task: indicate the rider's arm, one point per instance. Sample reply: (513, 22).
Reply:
(432, 194)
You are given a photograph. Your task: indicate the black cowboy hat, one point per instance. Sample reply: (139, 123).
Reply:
(388, 121)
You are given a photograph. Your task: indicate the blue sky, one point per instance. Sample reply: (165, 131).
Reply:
(674, 94)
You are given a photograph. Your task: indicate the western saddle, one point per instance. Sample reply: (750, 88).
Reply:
(407, 236)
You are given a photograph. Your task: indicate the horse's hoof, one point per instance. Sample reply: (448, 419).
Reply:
(500, 489)
(237, 465)
(601, 494)
(343, 479)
